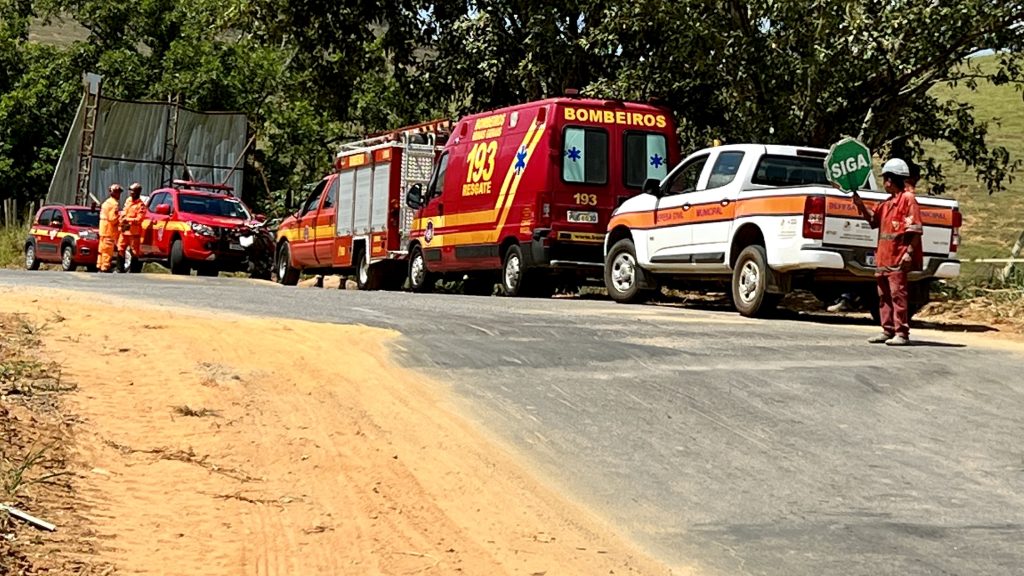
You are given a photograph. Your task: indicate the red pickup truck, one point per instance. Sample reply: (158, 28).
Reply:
(194, 225)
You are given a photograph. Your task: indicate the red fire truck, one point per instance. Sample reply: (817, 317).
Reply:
(354, 221)
(523, 195)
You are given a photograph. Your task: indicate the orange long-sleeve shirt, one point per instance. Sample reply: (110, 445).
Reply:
(110, 219)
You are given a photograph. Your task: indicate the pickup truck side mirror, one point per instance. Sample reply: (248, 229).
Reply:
(652, 186)
(57, 222)
(260, 217)
(414, 197)
(164, 209)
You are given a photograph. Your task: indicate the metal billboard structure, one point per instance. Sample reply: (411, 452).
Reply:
(115, 141)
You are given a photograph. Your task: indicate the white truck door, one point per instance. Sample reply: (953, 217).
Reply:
(712, 209)
(672, 219)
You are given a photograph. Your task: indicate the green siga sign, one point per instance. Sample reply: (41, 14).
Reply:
(848, 164)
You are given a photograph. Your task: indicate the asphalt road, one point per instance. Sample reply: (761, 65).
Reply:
(781, 447)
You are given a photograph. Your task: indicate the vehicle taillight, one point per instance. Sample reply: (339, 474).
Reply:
(954, 238)
(814, 217)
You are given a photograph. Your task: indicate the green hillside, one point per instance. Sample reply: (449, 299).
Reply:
(992, 223)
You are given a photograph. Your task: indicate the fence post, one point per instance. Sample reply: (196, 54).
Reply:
(1008, 270)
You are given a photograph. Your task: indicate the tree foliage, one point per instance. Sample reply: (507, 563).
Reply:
(309, 73)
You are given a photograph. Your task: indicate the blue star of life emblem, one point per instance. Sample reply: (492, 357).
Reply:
(657, 161)
(520, 160)
(574, 154)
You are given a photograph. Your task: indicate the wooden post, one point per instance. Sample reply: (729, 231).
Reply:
(1013, 254)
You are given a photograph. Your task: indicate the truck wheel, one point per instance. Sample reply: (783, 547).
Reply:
(67, 259)
(31, 260)
(179, 265)
(518, 280)
(368, 277)
(749, 283)
(623, 277)
(420, 278)
(286, 275)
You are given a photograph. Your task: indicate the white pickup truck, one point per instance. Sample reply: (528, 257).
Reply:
(764, 220)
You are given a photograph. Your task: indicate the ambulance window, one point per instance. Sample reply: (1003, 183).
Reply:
(46, 217)
(726, 167)
(646, 156)
(437, 182)
(332, 195)
(585, 156)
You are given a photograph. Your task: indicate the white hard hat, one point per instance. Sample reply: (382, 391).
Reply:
(896, 167)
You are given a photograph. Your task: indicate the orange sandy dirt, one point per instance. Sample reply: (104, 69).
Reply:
(316, 454)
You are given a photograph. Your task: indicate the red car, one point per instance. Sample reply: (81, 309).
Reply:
(65, 235)
(193, 225)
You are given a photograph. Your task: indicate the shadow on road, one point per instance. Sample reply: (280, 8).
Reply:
(799, 308)
(932, 344)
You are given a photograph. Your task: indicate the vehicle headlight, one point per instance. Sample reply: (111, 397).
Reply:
(88, 235)
(202, 229)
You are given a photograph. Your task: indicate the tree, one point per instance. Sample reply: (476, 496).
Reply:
(35, 109)
(810, 72)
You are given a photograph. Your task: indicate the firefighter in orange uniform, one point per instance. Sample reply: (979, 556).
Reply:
(131, 225)
(110, 228)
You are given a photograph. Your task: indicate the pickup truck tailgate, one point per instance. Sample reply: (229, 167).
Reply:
(845, 227)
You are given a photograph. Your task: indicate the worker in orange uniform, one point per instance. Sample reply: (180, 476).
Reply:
(898, 221)
(110, 228)
(131, 226)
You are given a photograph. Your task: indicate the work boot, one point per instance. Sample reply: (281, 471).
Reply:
(882, 338)
(898, 341)
(119, 265)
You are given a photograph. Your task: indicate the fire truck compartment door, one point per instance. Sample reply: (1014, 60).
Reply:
(364, 186)
(380, 193)
(346, 199)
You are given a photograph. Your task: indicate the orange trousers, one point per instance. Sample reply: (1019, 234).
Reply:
(132, 241)
(106, 256)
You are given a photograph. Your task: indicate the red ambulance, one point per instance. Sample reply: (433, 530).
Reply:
(522, 195)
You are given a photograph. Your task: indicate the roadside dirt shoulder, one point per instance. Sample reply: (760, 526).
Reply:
(211, 444)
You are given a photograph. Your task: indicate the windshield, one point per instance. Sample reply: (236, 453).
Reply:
(84, 218)
(212, 206)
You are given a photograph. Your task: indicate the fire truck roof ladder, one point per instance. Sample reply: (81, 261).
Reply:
(90, 105)
(403, 135)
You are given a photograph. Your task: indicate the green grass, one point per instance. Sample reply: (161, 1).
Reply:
(12, 254)
(992, 223)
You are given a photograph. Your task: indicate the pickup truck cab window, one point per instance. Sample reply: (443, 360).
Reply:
(585, 156)
(645, 154)
(46, 217)
(155, 200)
(332, 195)
(686, 178)
(775, 170)
(727, 165)
(314, 197)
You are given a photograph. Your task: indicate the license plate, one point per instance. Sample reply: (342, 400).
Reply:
(869, 258)
(245, 241)
(234, 246)
(582, 217)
